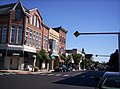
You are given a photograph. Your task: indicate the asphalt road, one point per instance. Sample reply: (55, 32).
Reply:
(55, 80)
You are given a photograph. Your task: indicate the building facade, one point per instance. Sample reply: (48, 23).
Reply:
(62, 39)
(53, 48)
(22, 34)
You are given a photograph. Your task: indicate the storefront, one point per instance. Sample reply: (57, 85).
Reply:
(16, 56)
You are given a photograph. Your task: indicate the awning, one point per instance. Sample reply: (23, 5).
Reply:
(53, 56)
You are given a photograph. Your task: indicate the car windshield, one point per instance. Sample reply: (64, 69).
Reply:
(112, 82)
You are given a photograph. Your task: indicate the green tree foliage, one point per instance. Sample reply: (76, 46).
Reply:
(113, 59)
(42, 55)
(68, 61)
(63, 56)
(77, 58)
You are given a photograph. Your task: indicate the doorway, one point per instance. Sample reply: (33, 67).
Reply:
(14, 63)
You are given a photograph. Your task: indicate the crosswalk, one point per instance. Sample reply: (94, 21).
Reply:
(58, 74)
(6, 73)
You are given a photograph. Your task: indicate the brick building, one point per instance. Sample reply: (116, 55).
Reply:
(22, 33)
(62, 39)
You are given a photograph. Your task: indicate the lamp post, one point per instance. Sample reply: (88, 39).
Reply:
(76, 34)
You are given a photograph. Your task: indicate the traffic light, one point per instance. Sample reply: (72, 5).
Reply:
(76, 34)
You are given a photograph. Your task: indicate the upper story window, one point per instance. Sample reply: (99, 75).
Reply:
(4, 31)
(40, 39)
(31, 38)
(12, 34)
(27, 32)
(45, 42)
(19, 39)
(17, 14)
(34, 21)
(30, 19)
(38, 23)
(62, 50)
(37, 42)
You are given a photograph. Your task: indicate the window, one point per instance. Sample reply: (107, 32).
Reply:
(56, 46)
(51, 44)
(37, 43)
(34, 20)
(12, 34)
(18, 14)
(45, 42)
(38, 23)
(31, 38)
(34, 37)
(62, 50)
(40, 39)
(111, 82)
(4, 31)
(30, 20)
(26, 41)
(19, 40)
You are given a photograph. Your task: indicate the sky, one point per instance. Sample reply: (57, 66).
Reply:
(84, 16)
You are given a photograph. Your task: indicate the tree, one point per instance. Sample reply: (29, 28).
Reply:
(114, 61)
(114, 58)
(42, 56)
(77, 58)
(63, 56)
(69, 60)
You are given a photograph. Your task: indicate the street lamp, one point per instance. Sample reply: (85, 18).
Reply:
(77, 33)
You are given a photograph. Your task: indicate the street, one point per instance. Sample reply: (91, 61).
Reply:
(54, 80)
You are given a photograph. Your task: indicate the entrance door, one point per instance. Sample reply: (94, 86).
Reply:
(14, 62)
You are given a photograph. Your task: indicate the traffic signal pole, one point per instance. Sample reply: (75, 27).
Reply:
(105, 33)
(119, 49)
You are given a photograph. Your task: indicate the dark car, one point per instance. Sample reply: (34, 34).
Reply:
(63, 68)
(110, 80)
(60, 68)
(69, 69)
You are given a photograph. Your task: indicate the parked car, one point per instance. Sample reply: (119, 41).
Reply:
(60, 68)
(110, 80)
(63, 68)
(69, 69)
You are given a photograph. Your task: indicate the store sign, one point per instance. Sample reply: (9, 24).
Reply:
(29, 49)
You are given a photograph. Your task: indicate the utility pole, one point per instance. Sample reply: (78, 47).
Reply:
(77, 33)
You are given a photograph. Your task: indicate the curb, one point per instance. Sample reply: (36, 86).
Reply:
(24, 72)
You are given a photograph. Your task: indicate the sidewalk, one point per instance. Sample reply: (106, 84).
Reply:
(24, 72)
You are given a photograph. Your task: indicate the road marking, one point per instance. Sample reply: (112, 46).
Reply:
(66, 75)
(6, 73)
(43, 74)
(50, 74)
(76, 74)
(58, 75)
(1, 73)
